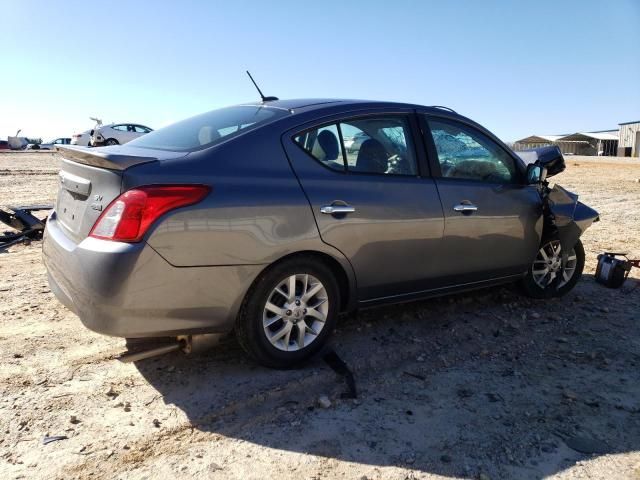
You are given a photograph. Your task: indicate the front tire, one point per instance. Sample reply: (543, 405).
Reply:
(540, 279)
(111, 141)
(289, 313)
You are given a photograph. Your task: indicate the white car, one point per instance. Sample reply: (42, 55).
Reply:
(81, 139)
(117, 133)
(49, 145)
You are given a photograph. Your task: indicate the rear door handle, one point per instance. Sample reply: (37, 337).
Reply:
(465, 208)
(337, 209)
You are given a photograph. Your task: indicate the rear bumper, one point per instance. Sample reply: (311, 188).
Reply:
(129, 290)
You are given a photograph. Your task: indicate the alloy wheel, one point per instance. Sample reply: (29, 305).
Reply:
(295, 312)
(548, 265)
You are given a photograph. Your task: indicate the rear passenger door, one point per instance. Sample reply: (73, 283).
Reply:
(493, 220)
(372, 199)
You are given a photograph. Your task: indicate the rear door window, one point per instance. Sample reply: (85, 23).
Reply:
(324, 145)
(371, 145)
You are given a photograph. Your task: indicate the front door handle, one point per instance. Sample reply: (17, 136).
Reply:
(465, 208)
(337, 209)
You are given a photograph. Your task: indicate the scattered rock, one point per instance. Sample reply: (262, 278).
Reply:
(324, 401)
(569, 395)
(535, 315)
(445, 458)
(494, 397)
(111, 393)
(127, 407)
(17, 355)
(74, 420)
(465, 393)
(156, 423)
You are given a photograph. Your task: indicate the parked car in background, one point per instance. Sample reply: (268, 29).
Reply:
(49, 145)
(17, 143)
(117, 134)
(81, 139)
(257, 218)
(4, 145)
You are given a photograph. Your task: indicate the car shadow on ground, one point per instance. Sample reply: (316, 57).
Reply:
(483, 383)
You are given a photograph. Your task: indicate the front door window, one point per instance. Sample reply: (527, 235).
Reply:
(467, 154)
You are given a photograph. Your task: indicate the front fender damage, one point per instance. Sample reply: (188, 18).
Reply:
(565, 220)
(567, 217)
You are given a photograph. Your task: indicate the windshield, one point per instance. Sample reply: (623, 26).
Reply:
(209, 128)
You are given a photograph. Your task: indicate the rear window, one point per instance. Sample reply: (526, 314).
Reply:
(209, 128)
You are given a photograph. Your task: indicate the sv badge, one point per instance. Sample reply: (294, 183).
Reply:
(97, 205)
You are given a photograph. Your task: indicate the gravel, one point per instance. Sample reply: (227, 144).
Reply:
(494, 390)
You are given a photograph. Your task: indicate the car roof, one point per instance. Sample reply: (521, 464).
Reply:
(310, 104)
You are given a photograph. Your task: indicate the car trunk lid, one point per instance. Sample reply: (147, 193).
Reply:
(90, 179)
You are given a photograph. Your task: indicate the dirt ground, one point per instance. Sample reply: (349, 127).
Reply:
(483, 385)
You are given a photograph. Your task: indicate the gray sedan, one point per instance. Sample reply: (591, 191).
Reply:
(257, 218)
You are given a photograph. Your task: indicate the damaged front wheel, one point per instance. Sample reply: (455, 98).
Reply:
(548, 276)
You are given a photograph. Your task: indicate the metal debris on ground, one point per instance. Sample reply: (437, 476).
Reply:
(28, 226)
(332, 359)
(55, 438)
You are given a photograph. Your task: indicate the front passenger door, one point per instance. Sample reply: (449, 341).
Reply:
(493, 219)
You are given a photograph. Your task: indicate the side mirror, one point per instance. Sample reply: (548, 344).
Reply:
(536, 174)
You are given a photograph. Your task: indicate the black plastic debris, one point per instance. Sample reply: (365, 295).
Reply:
(612, 271)
(414, 375)
(28, 226)
(54, 438)
(587, 445)
(332, 359)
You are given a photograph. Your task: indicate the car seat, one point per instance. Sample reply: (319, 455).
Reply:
(329, 144)
(372, 157)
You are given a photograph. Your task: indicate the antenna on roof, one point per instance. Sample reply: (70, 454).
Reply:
(264, 99)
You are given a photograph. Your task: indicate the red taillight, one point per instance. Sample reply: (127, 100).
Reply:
(130, 215)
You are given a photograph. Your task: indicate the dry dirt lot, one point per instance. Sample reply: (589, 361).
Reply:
(482, 385)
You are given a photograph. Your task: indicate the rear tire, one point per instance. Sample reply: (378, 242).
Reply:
(282, 329)
(533, 284)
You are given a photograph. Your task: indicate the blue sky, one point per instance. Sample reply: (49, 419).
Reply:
(517, 67)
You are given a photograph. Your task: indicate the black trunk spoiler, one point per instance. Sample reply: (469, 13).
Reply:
(97, 157)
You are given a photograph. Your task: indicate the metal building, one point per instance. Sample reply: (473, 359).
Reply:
(535, 141)
(582, 143)
(629, 139)
(590, 143)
